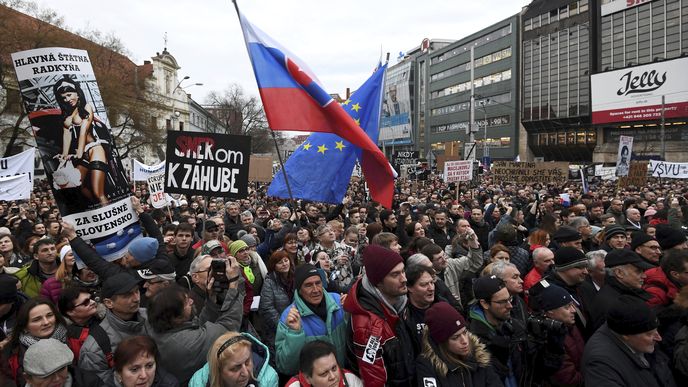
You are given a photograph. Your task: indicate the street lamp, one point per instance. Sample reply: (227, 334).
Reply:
(175, 114)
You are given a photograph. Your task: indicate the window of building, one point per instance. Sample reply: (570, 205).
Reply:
(582, 6)
(181, 126)
(168, 124)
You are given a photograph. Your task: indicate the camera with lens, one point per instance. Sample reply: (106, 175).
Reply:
(541, 326)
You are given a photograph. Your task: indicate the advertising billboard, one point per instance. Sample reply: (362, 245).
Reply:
(395, 124)
(635, 93)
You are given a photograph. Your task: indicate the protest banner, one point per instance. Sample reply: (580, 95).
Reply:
(461, 170)
(260, 169)
(22, 163)
(15, 187)
(400, 158)
(518, 172)
(668, 169)
(637, 175)
(623, 156)
(208, 164)
(605, 173)
(156, 185)
(141, 172)
(82, 165)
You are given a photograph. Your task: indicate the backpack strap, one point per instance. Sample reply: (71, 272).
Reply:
(103, 341)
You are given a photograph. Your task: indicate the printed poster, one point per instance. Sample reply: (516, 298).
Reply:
(72, 132)
(623, 158)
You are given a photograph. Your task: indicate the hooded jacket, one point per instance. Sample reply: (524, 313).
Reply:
(288, 342)
(264, 374)
(381, 344)
(433, 369)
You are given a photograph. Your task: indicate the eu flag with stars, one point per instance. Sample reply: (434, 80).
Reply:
(320, 168)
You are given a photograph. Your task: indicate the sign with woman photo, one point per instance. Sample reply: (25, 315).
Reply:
(72, 132)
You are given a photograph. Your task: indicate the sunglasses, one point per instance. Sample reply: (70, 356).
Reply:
(85, 302)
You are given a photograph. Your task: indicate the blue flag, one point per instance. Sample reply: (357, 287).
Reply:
(320, 168)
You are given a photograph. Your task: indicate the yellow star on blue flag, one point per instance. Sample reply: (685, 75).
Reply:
(324, 175)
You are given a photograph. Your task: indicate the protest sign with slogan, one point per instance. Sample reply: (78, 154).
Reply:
(141, 172)
(518, 172)
(605, 173)
(82, 165)
(156, 186)
(461, 170)
(22, 163)
(637, 175)
(15, 187)
(208, 164)
(668, 169)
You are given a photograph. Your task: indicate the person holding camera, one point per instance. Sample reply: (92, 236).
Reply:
(490, 320)
(562, 343)
(180, 335)
(569, 272)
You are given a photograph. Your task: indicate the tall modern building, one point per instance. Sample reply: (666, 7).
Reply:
(557, 64)
(444, 90)
(640, 88)
(594, 70)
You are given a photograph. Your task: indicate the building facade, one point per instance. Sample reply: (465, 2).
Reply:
(644, 39)
(444, 89)
(577, 56)
(556, 63)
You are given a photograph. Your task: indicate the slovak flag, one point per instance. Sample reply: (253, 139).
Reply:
(294, 100)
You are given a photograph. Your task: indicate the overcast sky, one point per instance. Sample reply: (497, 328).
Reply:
(340, 41)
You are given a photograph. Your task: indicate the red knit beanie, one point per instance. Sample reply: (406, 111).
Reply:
(378, 262)
(443, 321)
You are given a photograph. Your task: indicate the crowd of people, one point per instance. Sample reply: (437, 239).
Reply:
(494, 285)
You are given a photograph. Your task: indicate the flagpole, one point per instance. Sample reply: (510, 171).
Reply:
(272, 132)
(284, 173)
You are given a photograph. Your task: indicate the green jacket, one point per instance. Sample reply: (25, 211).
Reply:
(28, 276)
(288, 342)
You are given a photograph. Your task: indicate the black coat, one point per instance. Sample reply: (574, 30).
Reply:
(607, 296)
(608, 362)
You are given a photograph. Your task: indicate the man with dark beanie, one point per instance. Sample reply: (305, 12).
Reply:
(569, 272)
(671, 238)
(568, 236)
(622, 352)
(315, 314)
(380, 340)
(647, 247)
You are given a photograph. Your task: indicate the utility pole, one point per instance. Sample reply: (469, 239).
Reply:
(471, 123)
(661, 136)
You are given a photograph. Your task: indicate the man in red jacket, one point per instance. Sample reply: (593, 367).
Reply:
(381, 341)
(664, 282)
